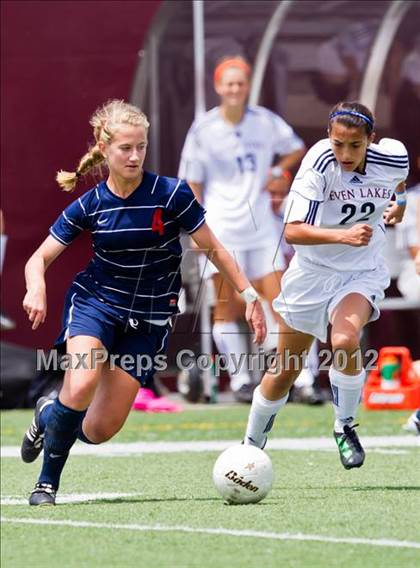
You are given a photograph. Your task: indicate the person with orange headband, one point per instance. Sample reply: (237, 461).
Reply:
(229, 161)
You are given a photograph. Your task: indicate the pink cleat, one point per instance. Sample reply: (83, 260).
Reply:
(147, 401)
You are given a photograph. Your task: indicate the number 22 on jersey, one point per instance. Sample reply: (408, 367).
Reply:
(351, 210)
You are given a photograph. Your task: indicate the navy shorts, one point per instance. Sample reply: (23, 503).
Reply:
(132, 344)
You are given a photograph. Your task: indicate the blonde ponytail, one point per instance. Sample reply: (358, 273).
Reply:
(68, 180)
(105, 121)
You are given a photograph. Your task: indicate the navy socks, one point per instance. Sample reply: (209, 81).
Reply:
(45, 416)
(61, 430)
(82, 436)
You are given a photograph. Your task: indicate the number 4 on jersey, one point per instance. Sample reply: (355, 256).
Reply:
(157, 223)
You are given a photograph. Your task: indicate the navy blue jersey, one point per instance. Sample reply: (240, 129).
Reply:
(135, 269)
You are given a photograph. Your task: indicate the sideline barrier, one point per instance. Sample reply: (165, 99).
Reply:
(394, 384)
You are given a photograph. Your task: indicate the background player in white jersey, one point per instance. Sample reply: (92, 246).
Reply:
(335, 216)
(124, 298)
(227, 160)
(410, 237)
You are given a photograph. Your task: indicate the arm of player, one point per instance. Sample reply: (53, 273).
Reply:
(291, 161)
(197, 189)
(299, 233)
(219, 256)
(395, 211)
(35, 300)
(278, 186)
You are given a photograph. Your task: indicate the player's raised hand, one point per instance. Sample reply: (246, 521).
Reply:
(35, 305)
(256, 320)
(358, 236)
(394, 213)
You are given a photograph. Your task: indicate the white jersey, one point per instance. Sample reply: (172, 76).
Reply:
(324, 195)
(232, 162)
(406, 232)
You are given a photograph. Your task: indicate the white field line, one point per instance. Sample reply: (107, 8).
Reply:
(218, 531)
(72, 498)
(111, 449)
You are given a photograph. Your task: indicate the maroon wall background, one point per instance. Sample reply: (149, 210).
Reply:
(60, 60)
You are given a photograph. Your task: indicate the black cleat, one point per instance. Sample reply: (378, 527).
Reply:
(349, 447)
(33, 440)
(43, 494)
(310, 395)
(245, 392)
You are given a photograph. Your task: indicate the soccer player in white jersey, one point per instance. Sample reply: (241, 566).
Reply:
(122, 302)
(227, 160)
(335, 216)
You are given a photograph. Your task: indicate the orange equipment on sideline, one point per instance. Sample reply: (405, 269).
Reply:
(393, 385)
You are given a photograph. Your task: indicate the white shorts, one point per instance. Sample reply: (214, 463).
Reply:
(255, 263)
(310, 293)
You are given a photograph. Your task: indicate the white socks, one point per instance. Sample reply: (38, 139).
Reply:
(307, 375)
(273, 329)
(261, 417)
(232, 343)
(347, 392)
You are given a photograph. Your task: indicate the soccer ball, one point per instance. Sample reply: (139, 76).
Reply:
(243, 474)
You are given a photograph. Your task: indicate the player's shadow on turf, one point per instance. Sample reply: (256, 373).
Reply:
(122, 501)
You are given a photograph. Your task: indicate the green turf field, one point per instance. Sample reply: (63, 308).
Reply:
(160, 509)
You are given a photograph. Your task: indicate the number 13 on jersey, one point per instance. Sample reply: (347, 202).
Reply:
(247, 163)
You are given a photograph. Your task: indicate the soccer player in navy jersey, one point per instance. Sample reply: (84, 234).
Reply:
(335, 214)
(124, 299)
